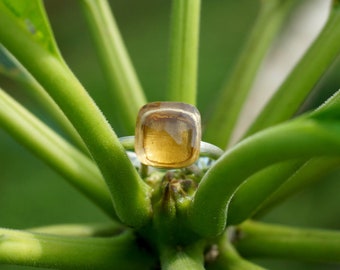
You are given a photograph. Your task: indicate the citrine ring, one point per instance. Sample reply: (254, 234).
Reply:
(168, 135)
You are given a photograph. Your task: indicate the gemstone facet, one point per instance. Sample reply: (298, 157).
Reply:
(168, 134)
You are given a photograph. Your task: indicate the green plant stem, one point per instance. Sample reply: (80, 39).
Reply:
(289, 97)
(54, 111)
(235, 91)
(33, 19)
(80, 230)
(302, 138)
(21, 75)
(268, 187)
(251, 195)
(178, 258)
(131, 196)
(229, 259)
(121, 77)
(263, 240)
(78, 169)
(184, 50)
(331, 105)
(312, 171)
(65, 252)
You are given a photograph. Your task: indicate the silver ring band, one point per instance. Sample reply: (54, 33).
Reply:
(206, 149)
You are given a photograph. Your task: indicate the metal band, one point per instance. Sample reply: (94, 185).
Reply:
(206, 149)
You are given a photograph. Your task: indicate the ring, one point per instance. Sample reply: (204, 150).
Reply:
(168, 135)
(206, 149)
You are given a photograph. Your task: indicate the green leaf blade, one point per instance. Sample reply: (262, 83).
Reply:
(78, 169)
(234, 93)
(292, 93)
(32, 17)
(265, 240)
(256, 190)
(124, 86)
(302, 138)
(11, 68)
(184, 51)
(130, 195)
(66, 252)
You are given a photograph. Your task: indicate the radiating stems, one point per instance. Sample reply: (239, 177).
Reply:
(235, 91)
(65, 252)
(130, 194)
(56, 114)
(332, 103)
(178, 258)
(312, 171)
(271, 186)
(121, 77)
(228, 258)
(289, 97)
(184, 50)
(258, 188)
(267, 188)
(263, 240)
(301, 138)
(45, 101)
(78, 169)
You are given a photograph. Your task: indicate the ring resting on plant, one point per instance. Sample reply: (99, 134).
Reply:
(168, 135)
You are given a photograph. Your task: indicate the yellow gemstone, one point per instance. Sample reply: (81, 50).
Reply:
(168, 134)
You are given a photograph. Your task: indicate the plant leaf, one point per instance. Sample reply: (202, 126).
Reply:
(121, 78)
(11, 68)
(66, 252)
(131, 196)
(288, 98)
(235, 92)
(267, 188)
(267, 240)
(8, 67)
(302, 138)
(78, 169)
(184, 51)
(32, 17)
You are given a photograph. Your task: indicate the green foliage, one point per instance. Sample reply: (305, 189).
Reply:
(175, 219)
(32, 19)
(122, 80)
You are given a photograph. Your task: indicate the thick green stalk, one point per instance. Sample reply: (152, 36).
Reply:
(265, 189)
(332, 104)
(287, 100)
(52, 109)
(229, 259)
(127, 94)
(250, 196)
(81, 230)
(184, 50)
(262, 240)
(78, 169)
(129, 193)
(65, 252)
(235, 91)
(20, 74)
(312, 171)
(178, 258)
(303, 138)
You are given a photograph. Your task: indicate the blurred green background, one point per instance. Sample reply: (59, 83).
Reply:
(31, 194)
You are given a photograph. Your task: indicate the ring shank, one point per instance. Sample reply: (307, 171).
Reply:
(206, 149)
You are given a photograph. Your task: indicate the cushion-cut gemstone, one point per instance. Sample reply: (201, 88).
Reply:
(168, 134)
